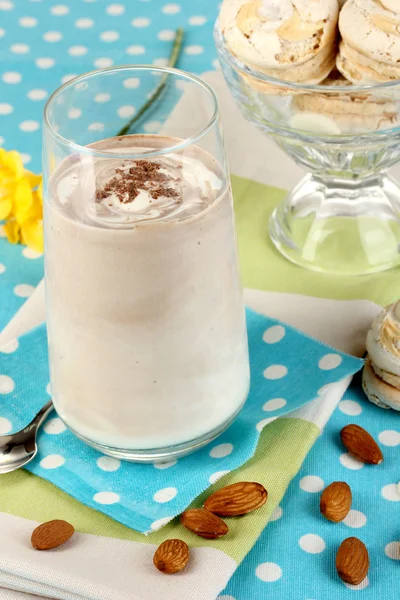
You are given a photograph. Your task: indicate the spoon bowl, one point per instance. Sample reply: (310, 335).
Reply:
(18, 449)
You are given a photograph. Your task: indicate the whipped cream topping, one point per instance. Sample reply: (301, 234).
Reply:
(108, 192)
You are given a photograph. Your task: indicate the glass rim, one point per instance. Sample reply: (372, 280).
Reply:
(142, 67)
(291, 85)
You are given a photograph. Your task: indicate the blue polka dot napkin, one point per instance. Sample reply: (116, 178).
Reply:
(287, 370)
(291, 546)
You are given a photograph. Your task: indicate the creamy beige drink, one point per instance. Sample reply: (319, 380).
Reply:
(146, 324)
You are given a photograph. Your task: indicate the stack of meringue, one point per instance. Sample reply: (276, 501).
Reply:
(381, 375)
(370, 48)
(292, 40)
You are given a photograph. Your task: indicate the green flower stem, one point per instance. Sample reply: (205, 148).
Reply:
(173, 59)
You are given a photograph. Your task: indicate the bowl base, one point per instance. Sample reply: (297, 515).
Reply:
(340, 227)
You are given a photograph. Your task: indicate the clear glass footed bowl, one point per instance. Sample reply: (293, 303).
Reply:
(344, 216)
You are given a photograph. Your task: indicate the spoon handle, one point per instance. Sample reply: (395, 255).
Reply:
(40, 417)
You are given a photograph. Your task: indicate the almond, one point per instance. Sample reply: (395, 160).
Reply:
(171, 556)
(361, 444)
(204, 523)
(335, 501)
(51, 534)
(352, 561)
(237, 499)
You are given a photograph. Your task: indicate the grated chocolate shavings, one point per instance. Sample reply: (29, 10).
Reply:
(142, 175)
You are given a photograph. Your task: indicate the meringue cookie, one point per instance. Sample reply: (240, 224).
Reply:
(378, 391)
(383, 340)
(370, 47)
(293, 40)
(350, 112)
(381, 374)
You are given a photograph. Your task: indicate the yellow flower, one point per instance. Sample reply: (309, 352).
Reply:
(21, 200)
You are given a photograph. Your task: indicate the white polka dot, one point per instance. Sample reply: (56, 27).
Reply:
(31, 254)
(37, 94)
(45, 62)
(215, 476)
(329, 362)
(275, 372)
(165, 495)
(74, 113)
(134, 50)
(152, 126)
(261, 424)
(103, 63)
(2, 32)
(221, 450)
(10, 347)
(350, 462)
(108, 463)
(160, 62)
(68, 77)
(361, 586)
(7, 384)
(48, 389)
(2, 267)
(194, 50)
(52, 36)
(160, 523)
(312, 484)
(20, 48)
(165, 465)
(355, 519)
(274, 404)
(2, 234)
(77, 50)
(114, 10)
(126, 111)
(6, 5)
(131, 82)
(312, 543)
(54, 426)
(28, 22)
(268, 572)
(5, 426)
(392, 550)
(274, 334)
(106, 498)
(29, 126)
(171, 9)
(60, 10)
(26, 158)
(197, 20)
(167, 35)
(23, 290)
(11, 77)
(278, 512)
(52, 461)
(84, 23)
(390, 492)
(103, 97)
(390, 437)
(96, 127)
(350, 407)
(5, 108)
(140, 22)
(109, 36)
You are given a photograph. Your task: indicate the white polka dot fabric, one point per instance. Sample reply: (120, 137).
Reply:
(295, 555)
(286, 373)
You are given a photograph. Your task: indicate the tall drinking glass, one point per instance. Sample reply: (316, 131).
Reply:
(146, 324)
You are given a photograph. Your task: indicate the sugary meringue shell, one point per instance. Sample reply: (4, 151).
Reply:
(383, 340)
(378, 391)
